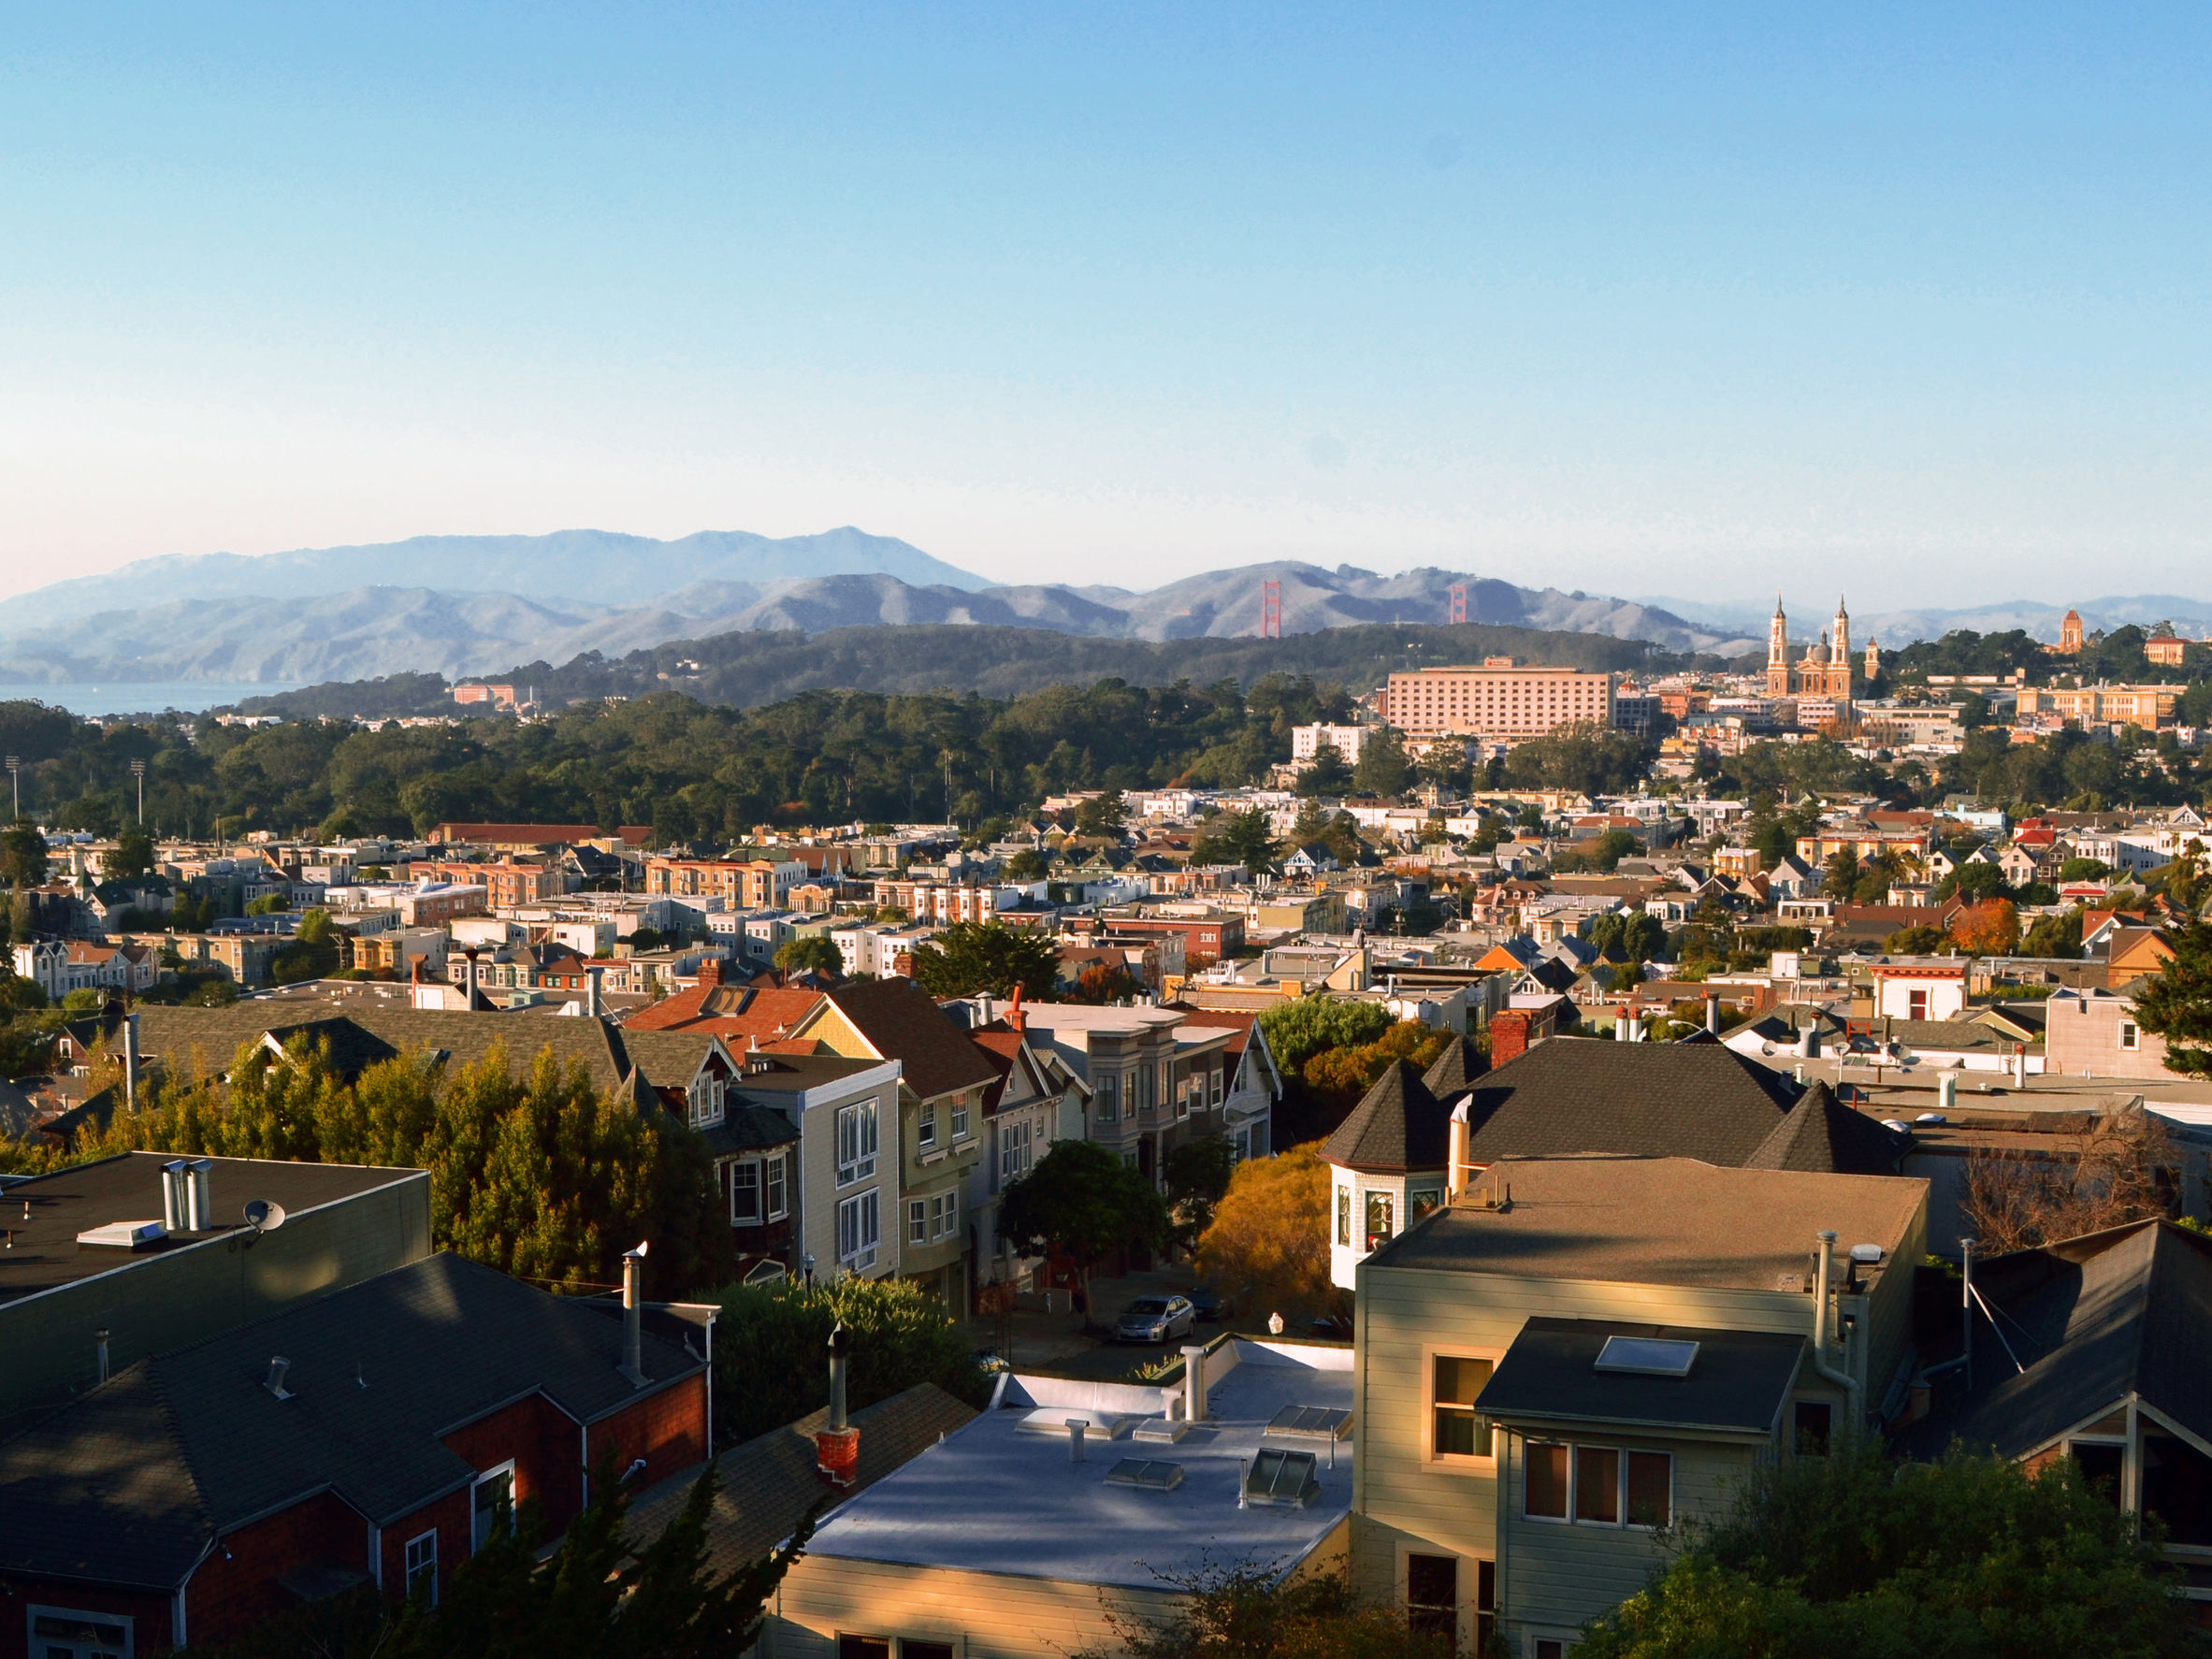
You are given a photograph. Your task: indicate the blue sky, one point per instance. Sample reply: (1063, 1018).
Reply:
(1645, 300)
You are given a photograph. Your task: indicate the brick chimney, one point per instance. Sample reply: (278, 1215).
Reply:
(1016, 1016)
(710, 971)
(1508, 1035)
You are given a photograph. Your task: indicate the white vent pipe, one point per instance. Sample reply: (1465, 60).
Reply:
(1842, 1379)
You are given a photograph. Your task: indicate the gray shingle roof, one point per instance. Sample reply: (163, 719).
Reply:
(1398, 1126)
(1821, 1134)
(129, 1483)
(1652, 1100)
(2093, 1319)
(1736, 1382)
(1454, 1070)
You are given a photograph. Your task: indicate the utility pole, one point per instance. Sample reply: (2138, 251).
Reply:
(139, 771)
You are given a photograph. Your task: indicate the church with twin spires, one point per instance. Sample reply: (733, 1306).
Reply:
(1825, 670)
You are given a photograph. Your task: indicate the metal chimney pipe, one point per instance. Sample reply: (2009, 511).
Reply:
(840, 1347)
(100, 1352)
(1842, 1379)
(1459, 1136)
(200, 1202)
(130, 1060)
(1712, 1011)
(633, 1335)
(1194, 1383)
(592, 978)
(1966, 1307)
(173, 1182)
(1074, 1439)
(1946, 1092)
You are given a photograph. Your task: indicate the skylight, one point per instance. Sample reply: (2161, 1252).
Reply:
(1309, 1423)
(1149, 1473)
(1646, 1356)
(1285, 1479)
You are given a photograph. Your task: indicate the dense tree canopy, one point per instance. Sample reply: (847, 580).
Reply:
(1851, 1556)
(970, 957)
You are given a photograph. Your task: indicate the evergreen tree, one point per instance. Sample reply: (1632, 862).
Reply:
(968, 957)
(2177, 1004)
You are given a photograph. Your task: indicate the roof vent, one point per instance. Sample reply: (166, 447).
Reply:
(277, 1367)
(122, 1236)
(1867, 1255)
(1283, 1479)
(1646, 1356)
(1146, 1474)
(1053, 1420)
(1169, 1429)
(1311, 1423)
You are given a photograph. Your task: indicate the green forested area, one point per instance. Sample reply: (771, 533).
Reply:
(689, 770)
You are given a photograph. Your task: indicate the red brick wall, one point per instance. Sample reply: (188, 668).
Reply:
(667, 1429)
(149, 1614)
(449, 1516)
(225, 1596)
(546, 1445)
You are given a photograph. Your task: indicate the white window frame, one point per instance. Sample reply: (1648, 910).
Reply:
(2131, 1035)
(39, 1645)
(917, 1220)
(410, 1568)
(859, 1230)
(943, 1215)
(1622, 1451)
(775, 1187)
(1458, 1463)
(744, 1177)
(860, 1126)
(1220, 1083)
(959, 1116)
(485, 1478)
(925, 1125)
(1343, 1216)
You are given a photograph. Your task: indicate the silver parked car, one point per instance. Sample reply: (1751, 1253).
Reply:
(1156, 1318)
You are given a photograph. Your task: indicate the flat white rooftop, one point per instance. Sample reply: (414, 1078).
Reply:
(999, 1497)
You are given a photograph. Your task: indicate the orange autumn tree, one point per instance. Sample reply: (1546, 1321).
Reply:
(1268, 1246)
(1991, 928)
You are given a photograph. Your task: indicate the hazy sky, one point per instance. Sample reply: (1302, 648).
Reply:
(1648, 299)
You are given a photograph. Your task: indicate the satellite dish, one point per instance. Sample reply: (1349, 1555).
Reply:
(263, 1216)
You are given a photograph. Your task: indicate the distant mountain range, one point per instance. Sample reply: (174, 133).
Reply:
(459, 605)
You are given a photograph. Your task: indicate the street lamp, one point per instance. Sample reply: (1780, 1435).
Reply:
(139, 771)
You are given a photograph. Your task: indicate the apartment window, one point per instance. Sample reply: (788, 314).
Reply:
(1382, 1214)
(1456, 1429)
(1651, 1489)
(1344, 1216)
(1432, 1595)
(2129, 1037)
(1548, 1647)
(925, 1132)
(863, 1646)
(857, 1130)
(1544, 1493)
(859, 1231)
(772, 1184)
(64, 1633)
(1182, 1096)
(943, 1215)
(917, 1220)
(959, 1116)
(1916, 1005)
(1110, 1094)
(744, 1194)
(1597, 1485)
(1813, 1421)
(914, 1650)
(422, 1566)
(492, 1505)
(1014, 1148)
(1219, 1084)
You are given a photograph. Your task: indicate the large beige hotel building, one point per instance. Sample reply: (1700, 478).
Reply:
(1496, 700)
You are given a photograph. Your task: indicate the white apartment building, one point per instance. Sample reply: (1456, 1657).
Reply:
(1497, 702)
(1306, 741)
